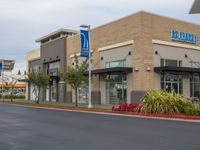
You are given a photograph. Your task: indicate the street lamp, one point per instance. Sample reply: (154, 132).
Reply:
(89, 94)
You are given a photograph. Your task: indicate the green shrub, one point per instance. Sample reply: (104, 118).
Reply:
(8, 96)
(161, 102)
(192, 111)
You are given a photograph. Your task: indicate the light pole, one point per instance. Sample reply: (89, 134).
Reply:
(2, 69)
(89, 90)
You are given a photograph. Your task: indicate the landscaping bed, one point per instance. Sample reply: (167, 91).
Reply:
(162, 104)
(103, 110)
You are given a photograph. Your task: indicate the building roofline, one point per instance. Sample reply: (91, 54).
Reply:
(34, 59)
(195, 7)
(56, 32)
(140, 12)
(34, 50)
(145, 12)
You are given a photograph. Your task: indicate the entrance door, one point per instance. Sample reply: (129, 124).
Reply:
(172, 87)
(116, 89)
(172, 82)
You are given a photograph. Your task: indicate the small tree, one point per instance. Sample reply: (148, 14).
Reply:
(10, 85)
(38, 80)
(19, 72)
(76, 75)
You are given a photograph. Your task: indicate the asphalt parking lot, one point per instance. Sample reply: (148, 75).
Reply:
(40, 129)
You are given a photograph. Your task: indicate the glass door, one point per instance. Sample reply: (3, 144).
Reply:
(172, 87)
(116, 89)
(172, 82)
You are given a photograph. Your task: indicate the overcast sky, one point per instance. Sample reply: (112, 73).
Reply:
(23, 21)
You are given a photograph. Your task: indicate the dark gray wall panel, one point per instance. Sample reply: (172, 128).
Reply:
(55, 50)
(136, 96)
(96, 97)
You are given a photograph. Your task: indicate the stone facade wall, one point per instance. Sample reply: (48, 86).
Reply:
(142, 28)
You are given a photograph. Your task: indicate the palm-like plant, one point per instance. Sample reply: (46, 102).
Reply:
(161, 102)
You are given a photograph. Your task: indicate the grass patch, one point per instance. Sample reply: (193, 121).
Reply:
(53, 104)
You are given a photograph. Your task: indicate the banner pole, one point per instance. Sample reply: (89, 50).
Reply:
(90, 79)
(2, 69)
(86, 52)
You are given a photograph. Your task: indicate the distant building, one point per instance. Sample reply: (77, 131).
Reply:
(50, 57)
(195, 7)
(7, 77)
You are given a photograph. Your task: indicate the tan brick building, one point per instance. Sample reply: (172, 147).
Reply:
(137, 53)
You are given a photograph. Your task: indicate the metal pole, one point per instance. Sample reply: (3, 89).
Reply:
(89, 96)
(2, 79)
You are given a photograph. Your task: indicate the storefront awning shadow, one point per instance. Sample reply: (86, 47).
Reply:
(176, 69)
(114, 70)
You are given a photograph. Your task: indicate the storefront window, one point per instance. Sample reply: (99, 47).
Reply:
(83, 93)
(54, 65)
(194, 64)
(170, 62)
(116, 89)
(119, 63)
(172, 82)
(35, 68)
(54, 91)
(53, 68)
(195, 85)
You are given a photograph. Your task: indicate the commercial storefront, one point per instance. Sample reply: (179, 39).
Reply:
(9, 82)
(133, 55)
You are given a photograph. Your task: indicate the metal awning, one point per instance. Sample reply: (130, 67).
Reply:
(177, 69)
(22, 80)
(114, 70)
(195, 7)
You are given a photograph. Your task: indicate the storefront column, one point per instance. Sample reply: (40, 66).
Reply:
(186, 85)
(61, 91)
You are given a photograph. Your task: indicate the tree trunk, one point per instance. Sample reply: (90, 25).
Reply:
(38, 100)
(11, 95)
(76, 97)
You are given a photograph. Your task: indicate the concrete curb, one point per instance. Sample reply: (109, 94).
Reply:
(103, 113)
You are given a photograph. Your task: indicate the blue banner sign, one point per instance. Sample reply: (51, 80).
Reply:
(183, 37)
(85, 45)
(1, 68)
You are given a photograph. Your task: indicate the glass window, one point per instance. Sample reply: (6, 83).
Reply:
(116, 89)
(170, 62)
(119, 63)
(162, 62)
(195, 85)
(180, 63)
(35, 68)
(171, 82)
(54, 65)
(83, 93)
(194, 64)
